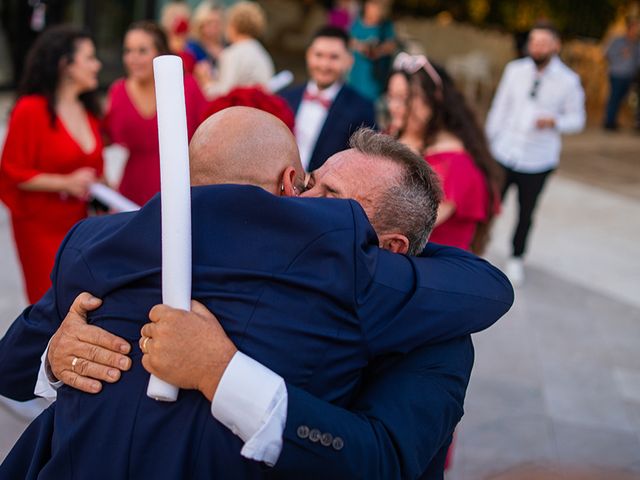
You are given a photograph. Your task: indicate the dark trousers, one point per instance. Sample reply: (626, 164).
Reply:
(530, 186)
(618, 89)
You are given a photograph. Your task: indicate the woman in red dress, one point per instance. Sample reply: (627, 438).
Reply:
(431, 116)
(131, 119)
(53, 149)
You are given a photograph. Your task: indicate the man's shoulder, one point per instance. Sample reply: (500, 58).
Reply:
(567, 71)
(518, 64)
(562, 74)
(351, 98)
(292, 92)
(94, 228)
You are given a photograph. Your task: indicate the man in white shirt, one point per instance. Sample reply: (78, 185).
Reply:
(539, 99)
(327, 111)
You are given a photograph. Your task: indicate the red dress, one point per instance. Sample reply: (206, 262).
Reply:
(463, 184)
(125, 125)
(40, 220)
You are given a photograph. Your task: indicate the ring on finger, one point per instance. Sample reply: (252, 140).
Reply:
(73, 364)
(143, 346)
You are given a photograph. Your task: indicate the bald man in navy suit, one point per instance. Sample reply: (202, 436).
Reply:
(257, 257)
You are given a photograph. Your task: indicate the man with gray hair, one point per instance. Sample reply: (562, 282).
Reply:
(396, 188)
(297, 283)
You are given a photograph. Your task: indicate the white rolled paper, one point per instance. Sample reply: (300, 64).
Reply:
(175, 196)
(280, 81)
(115, 201)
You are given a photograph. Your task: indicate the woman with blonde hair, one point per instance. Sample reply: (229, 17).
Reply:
(244, 62)
(206, 42)
(207, 24)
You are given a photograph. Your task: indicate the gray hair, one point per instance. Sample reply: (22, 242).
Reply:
(410, 204)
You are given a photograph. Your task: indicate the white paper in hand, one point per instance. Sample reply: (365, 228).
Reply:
(175, 196)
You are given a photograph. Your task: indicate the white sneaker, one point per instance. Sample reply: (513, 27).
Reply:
(515, 271)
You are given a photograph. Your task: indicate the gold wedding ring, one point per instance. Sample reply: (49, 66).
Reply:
(73, 364)
(143, 346)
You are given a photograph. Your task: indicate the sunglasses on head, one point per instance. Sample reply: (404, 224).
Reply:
(411, 64)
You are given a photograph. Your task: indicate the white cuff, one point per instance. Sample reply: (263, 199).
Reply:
(47, 383)
(251, 401)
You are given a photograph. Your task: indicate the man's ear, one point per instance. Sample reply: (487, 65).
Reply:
(394, 242)
(288, 182)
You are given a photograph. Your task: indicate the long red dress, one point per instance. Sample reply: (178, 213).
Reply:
(40, 220)
(125, 125)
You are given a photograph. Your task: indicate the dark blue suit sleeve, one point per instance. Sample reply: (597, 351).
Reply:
(22, 347)
(399, 423)
(25, 341)
(404, 302)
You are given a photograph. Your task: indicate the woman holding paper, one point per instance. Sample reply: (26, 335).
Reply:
(53, 150)
(131, 119)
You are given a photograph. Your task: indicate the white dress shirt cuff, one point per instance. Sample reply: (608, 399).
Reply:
(251, 401)
(47, 384)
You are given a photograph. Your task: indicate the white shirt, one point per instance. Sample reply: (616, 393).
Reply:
(251, 401)
(243, 63)
(514, 139)
(310, 119)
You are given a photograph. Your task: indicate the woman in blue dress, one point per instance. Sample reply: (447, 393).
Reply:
(373, 41)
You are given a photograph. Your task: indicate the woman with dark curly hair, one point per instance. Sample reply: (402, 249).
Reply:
(430, 115)
(53, 149)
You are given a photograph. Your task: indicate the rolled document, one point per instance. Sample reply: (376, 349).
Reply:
(175, 197)
(115, 201)
(280, 81)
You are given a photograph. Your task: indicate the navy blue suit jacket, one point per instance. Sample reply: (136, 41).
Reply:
(399, 426)
(298, 284)
(348, 112)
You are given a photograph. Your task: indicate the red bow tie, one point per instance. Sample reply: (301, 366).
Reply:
(316, 98)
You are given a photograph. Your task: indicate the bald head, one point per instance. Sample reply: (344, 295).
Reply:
(246, 146)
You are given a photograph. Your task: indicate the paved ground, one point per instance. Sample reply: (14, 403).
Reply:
(556, 386)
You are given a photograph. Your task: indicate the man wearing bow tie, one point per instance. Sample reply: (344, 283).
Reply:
(327, 111)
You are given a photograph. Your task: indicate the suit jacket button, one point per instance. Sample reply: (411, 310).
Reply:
(326, 439)
(314, 435)
(303, 431)
(338, 443)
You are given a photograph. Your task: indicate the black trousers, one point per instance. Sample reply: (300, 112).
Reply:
(530, 186)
